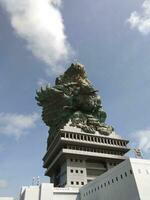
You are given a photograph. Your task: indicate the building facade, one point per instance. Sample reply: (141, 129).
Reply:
(75, 158)
(128, 180)
(47, 191)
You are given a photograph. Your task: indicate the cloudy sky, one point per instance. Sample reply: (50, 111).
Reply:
(38, 40)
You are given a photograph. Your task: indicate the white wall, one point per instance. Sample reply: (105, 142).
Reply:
(46, 191)
(6, 198)
(118, 183)
(66, 193)
(141, 169)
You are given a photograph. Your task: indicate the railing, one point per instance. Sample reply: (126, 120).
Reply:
(94, 139)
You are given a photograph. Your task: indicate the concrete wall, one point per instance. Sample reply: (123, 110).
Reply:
(6, 198)
(141, 170)
(118, 183)
(46, 191)
(66, 194)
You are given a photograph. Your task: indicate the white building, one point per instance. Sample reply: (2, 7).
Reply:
(128, 180)
(46, 191)
(6, 198)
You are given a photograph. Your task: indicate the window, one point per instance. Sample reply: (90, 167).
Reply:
(131, 171)
(121, 176)
(72, 182)
(71, 170)
(77, 183)
(108, 183)
(116, 178)
(125, 174)
(105, 184)
(95, 189)
(81, 171)
(98, 187)
(101, 186)
(76, 171)
(82, 183)
(112, 180)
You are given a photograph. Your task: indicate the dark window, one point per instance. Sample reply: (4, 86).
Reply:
(101, 186)
(71, 170)
(82, 183)
(95, 189)
(72, 182)
(81, 171)
(77, 183)
(105, 184)
(98, 187)
(131, 171)
(112, 180)
(125, 174)
(108, 183)
(116, 178)
(121, 176)
(76, 171)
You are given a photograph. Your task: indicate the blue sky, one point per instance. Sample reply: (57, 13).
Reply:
(111, 38)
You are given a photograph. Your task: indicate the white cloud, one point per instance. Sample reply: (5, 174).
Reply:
(3, 183)
(40, 23)
(16, 124)
(141, 20)
(141, 139)
(42, 83)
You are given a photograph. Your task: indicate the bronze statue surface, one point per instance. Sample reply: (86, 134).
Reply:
(73, 100)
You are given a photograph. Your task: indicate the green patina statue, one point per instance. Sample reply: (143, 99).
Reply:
(73, 100)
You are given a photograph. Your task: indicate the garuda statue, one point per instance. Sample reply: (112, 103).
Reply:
(73, 100)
